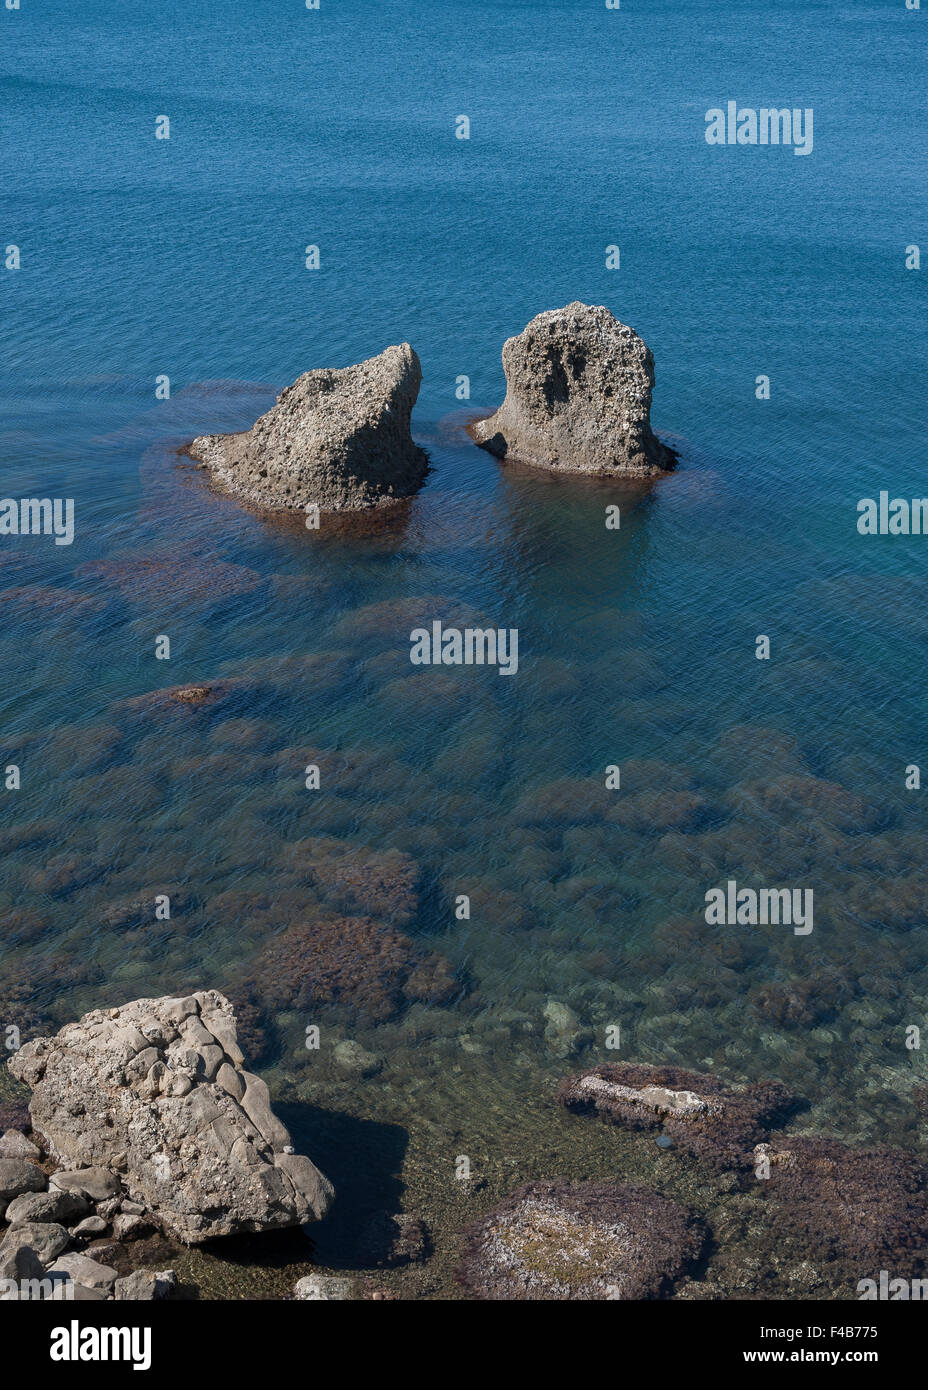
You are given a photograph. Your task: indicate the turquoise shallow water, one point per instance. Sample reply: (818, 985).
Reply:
(636, 647)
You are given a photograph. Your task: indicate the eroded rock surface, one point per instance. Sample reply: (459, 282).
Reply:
(337, 438)
(156, 1093)
(578, 397)
(583, 1241)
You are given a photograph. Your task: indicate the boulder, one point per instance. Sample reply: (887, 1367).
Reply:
(336, 438)
(580, 1241)
(81, 1269)
(19, 1262)
(94, 1184)
(128, 1091)
(46, 1238)
(18, 1175)
(46, 1206)
(578, 397)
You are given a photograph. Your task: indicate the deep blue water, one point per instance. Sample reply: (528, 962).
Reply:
(186, 257)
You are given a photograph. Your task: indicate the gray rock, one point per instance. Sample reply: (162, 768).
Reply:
(144, 1285)
(91, 1226)
(20, 1262)
(46, 1238)
(94, 1183)
(321, 1288)
(129, 1227)
(83, 1270)
(14, 1144)
(578, 397)
(18, 1175)
(46, 1206)
(336, 438)
(200, 1163)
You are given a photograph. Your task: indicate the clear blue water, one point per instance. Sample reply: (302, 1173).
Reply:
(186, 257)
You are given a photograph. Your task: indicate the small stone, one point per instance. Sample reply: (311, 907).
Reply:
(320, 1288)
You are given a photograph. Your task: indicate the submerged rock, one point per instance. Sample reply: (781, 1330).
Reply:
(868, 1207)
(153, 1097)
(337, 438)
(703, 1116)
(578, 397)
(356, 964)
(584, 1241)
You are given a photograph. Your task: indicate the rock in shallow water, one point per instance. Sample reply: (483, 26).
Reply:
(582, 1241)
(716, 1123)
(578, 397)
(338, 439)
(126, 1091)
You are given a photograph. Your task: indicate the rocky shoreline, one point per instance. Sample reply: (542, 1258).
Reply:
(145, 1141)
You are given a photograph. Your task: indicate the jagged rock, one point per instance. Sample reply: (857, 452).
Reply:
(336, 438)
(128, 1091)
(578, 397)
(699, 1113)
(585, 1241)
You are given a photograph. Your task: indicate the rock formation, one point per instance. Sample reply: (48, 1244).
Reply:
(153, 1098)
(337, 438)
(578, 397)
(583, 1241)
(699, 1113)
